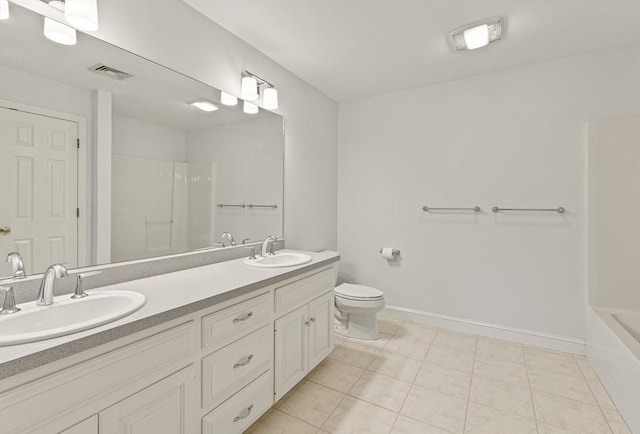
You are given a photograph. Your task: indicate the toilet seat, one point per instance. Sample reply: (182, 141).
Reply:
(349, 291)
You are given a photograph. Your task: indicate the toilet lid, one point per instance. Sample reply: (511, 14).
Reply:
(358, 292)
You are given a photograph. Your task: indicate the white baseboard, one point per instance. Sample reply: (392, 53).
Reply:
(527, 337)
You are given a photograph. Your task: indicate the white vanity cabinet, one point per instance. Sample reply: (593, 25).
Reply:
(164, 407)
(304, 335)
(213, 371)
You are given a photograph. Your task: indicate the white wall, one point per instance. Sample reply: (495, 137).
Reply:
(180, 38)
(139, 138)
(514, 138)
(614, 213)
(25, 88)
(249, 157)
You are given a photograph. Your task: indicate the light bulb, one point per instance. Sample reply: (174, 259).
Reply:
(476, 37)
(4, 9)
(270, 98)
(58, 32)
(82, 14)
(228, 99)
(249, 88)
(250, 108)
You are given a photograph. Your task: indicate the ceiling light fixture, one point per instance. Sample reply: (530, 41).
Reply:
(82, 14)
(478, 34)
(204, 105)
(4, 9)
(250, 90)
(228, 99)
(249, 108)
(58, 32)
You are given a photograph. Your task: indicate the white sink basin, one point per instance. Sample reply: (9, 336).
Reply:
(283, 259)
(66, 316)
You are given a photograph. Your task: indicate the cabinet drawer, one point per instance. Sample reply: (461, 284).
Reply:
(241, 410)
(227, 325)
(233, 367)
(304, 290)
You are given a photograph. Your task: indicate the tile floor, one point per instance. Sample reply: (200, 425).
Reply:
(419, 380)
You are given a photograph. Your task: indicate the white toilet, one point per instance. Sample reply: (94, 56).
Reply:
(356, 309)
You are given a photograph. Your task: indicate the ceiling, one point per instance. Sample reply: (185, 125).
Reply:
(351, 49)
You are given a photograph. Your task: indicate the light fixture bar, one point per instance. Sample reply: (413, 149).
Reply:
(261, 81)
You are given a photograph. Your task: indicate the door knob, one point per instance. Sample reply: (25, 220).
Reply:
(4, 230)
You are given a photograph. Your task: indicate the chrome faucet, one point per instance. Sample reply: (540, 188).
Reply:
(17, 265)
(9, 305)
(45, 295)
(228, 236)
(267, 245)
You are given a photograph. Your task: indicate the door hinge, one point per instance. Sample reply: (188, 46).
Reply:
(77, 212)
(78, 143)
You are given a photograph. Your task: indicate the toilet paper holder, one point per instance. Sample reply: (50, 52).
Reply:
(394, 252)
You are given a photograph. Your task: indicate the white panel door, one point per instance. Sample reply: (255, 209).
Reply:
(320, 329)
(291, 335)
(38, 189)
(168, 406)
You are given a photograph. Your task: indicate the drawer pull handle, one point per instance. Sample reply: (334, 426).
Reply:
(244, 362)
(244, 414)
(244, 318)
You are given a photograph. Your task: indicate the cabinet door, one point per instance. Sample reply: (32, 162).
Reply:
(87, 426)
(290, 350)
(165, 407)
(320, 329)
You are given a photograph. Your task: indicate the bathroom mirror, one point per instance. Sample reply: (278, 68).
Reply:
(103, 158)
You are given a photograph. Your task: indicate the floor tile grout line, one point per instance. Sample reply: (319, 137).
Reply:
(533, 405)
(429, 424)
(604, 415)
(473, 366)
(345, 394)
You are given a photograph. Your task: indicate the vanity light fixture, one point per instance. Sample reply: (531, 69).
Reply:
(249, 108)
(250, 90)
(4, 9)
(270, 98)
(477, 35)
(82, 14)
(228, 99)
(58, 32)
(204, 105)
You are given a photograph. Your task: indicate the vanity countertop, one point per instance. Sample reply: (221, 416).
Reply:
(169, 296)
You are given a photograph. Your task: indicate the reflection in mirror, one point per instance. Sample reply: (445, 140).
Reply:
(76, 120)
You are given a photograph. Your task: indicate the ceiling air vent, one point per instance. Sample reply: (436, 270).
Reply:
(100, 68)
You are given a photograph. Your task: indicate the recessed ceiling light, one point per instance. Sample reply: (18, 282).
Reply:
(478, 34)
(204, 105)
